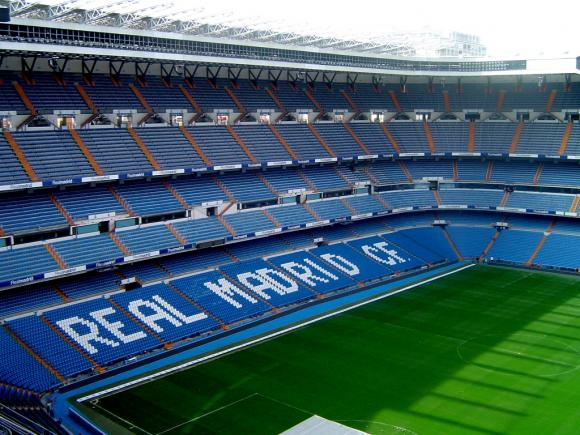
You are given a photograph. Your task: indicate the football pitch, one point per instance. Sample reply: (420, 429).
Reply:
(488, 350)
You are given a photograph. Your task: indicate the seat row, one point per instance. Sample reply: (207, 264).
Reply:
(49, 92)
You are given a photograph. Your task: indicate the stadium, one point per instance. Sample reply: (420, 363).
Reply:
(219, 226)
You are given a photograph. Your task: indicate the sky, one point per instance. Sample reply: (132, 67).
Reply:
(507, 28)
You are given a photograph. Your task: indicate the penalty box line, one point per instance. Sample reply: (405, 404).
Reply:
(232, 349)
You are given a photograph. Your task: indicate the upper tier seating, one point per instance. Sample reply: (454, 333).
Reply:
(293, 98)
(9, 98)
(341, 142)
(253, 100)
(29, 213)
(149, 198)
(54, 155)
(210, 98)
(108, 97)
(170, 148)
(160, 96)
(12, 171)
(451, 136)
(494, 136)
(218, 145)
(410, 136)
(373, 137)
(82, 202)
(302, 141)
(47, 95)
(540, 201)
(147, 239)
(368, 98)
(330, 99)
(263, 143)
(115, 151)
(541, 138)
(21, 263)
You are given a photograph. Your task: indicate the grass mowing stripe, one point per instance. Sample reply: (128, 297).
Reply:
(394, 364)
(214, 355)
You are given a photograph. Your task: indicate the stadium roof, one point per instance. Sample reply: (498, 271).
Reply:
(219, 20)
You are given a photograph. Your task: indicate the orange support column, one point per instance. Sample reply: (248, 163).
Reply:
(143, 102)
(279, 104)
(550, 101)
(395, 101)
(574, 206)
(565, 138)
(391, 138)
(241, 143)
(429, 137)
(86, 152)
(57, 258)
(471, 140)
(285, 144)
(446, 102)
(500, 100)
(516, 138)
(540, 244)
(21, 156)
(538, 173)
(321, 140)
(360, 143)
(192, 101)
(351, 103)
(89, 102)
(237, 102)
(195, 146)
(144, 149)
(316, 103)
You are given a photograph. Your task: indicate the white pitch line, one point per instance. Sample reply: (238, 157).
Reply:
(208, 413)
(180, 367)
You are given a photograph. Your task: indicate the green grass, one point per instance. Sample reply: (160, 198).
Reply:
(488, 350)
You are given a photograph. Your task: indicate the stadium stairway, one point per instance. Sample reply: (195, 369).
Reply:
(541, 243)
(395, 101)
(86, 152)
(500, 101)
(489, 245)
(193, 102)
(144, 103)
(516, 138)
(232, 94)
(89, 102)
(550, 102)
(241, 143)
(321, 140)
(355, 109)
(357, 139)
(20, 156)
(538, 173)
(144, 149)
(451, 243)
(279, 104)
(429, 136)
(316, 103)
(471, 141)
(565, 139)
(391, 138)
(195, 146)
(285, 144)
(446, 101)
